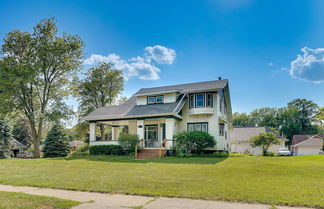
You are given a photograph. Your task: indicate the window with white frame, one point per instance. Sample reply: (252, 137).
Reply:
(221, 129)
(200, 100)
(197, 127)
(209, 100)
(191, 101)
(155, 100)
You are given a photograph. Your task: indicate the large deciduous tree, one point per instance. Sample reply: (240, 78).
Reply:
(35, 70)
(101, 87)
(306, 112)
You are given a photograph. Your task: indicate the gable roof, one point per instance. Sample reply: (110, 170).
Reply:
(184, 88)
(244, 134)
(314, 140)
(299, 139)
(17, 144)
(130, 110)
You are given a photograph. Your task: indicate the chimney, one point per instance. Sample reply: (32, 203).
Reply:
(219, 78)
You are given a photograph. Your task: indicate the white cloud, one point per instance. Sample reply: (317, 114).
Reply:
(142, 67)
(309, 66)
(160, 54)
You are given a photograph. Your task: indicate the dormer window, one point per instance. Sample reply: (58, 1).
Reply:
(150, 100)
(159, 99)
(155, 100)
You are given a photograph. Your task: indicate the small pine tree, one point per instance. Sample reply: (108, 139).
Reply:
(56, 143)
(6, 139)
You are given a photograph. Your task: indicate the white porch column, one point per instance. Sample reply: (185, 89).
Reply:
(170, 130)
(112, 133)
(92, 132)
(140, 129)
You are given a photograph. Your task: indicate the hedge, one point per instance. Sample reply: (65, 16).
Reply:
(106, 150)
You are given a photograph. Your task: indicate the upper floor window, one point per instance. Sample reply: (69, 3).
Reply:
(191, 101)
(209, 99)
(155, 100)
(221, 129)
(200, 100)
(159, 99)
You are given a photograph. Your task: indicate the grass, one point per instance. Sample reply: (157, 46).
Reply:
(295, 181)
(15, 200)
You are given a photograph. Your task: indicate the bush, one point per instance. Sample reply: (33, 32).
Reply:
(193, 142)
(239, 155)
(6, 139)
(56, 143)
(106, 150)
(214, 155)
(128, 142)
(84, 147)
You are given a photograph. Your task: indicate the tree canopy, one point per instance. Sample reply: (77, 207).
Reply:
(101, 87)
(264, 141)
(298, 117)
(35, 72)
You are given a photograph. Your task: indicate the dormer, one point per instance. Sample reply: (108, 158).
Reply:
(159, 98)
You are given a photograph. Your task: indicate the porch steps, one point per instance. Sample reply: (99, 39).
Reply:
(150, 153)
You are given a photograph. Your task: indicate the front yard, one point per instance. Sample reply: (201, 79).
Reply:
(272, 180)
(16, 200)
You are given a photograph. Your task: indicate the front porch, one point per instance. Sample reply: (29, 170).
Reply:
(152, 132)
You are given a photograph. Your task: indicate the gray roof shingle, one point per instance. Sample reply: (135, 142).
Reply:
(184, 88)
(129, 108)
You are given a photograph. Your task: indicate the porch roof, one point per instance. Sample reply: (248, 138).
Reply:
(130, 110)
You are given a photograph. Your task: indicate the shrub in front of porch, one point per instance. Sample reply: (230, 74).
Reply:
(128, 142)
(106, 150)
(193, 142)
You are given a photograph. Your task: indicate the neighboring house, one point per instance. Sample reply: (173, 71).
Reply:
(75, 144)
(240, 140)
(155, 114)
(306, 144)
(17, 147)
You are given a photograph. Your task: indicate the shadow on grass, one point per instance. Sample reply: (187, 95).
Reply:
(129, 159)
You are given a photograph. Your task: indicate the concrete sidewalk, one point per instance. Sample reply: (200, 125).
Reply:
(92, 200)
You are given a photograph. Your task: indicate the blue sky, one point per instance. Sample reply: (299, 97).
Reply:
(271, 51)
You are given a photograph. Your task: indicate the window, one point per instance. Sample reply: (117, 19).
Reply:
(209, 100)
(221, 129)
(200, 100)
(155, 100)
(197, 127)
(150, 100)
(191, 101)
(159, 99)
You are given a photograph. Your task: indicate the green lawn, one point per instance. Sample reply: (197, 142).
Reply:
(15, 200)
(274, 180)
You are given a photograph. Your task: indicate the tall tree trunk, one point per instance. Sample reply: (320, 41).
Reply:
(102, 132)
(35, 136)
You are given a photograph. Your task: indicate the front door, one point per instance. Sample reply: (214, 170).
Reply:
(151, 135)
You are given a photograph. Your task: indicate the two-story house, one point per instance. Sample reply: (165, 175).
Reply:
(155, 114)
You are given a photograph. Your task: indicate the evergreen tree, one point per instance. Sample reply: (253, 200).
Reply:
(56, 143)
(6, 139)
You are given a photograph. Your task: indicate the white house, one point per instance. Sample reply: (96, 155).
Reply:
(157, 114)
(240, 140)
(307, 144)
